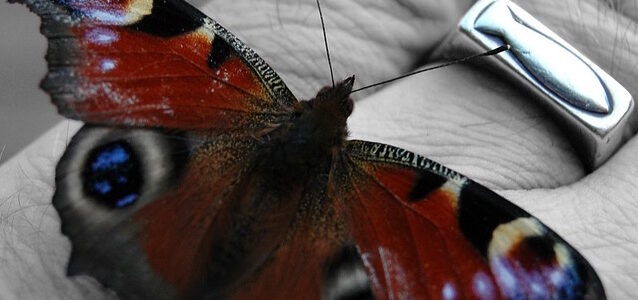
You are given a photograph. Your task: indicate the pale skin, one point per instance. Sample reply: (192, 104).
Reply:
(462, 116)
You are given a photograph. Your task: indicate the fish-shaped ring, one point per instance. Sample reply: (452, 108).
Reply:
(596, 110)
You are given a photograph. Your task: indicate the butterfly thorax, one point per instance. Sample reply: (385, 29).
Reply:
(317, 130)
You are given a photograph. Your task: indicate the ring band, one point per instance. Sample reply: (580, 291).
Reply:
(594, 108)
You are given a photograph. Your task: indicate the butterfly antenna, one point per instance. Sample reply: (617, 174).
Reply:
(471, 57)
(325, 41)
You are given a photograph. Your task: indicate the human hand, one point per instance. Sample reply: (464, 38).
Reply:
(462, 116)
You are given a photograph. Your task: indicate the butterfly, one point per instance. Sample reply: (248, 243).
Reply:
(200, 175)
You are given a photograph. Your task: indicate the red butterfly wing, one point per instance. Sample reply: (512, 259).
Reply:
(153, 64)
(423, 229)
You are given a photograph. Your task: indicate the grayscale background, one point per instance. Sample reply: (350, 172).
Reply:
(25, 111)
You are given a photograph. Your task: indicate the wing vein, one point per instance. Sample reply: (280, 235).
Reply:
(405, 206)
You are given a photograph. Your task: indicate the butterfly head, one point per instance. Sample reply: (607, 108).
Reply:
(320, 123)
(336, 99)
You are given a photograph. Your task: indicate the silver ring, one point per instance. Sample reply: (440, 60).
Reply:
(596, 110)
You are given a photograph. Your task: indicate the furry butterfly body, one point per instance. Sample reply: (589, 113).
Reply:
(200, 176)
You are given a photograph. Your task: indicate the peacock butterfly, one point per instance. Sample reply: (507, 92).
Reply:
(199, 175)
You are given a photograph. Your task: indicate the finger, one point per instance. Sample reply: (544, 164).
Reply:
(474, 123)
(33, 250)
(481, 125)
(598, 215)
(372, 40)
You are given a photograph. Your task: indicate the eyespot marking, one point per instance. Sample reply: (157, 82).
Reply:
(112, 175)
(345, 277)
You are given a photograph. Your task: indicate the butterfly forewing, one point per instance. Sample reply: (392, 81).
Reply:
(423, 229)
(153, 64)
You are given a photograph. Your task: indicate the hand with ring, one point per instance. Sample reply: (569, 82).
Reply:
(465, 117)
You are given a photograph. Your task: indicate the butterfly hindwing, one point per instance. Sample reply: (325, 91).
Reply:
(138, 204)
(423, 229)
(149, 63)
